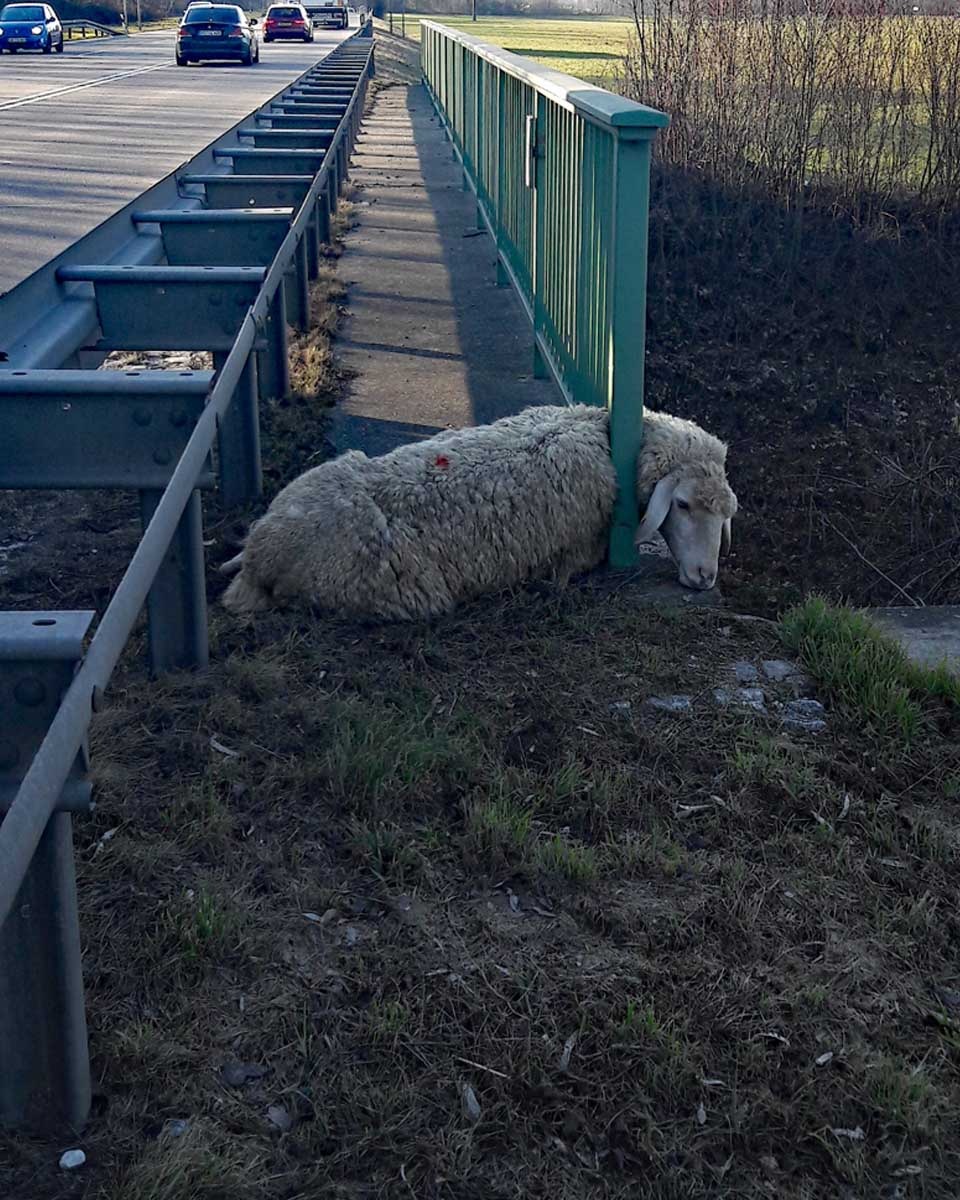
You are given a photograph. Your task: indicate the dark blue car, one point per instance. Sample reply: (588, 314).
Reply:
(217, 31)
(30, 27)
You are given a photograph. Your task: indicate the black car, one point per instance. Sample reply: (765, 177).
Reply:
(217, 32)
(287, 21)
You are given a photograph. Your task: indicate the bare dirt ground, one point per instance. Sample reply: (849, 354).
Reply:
(452, 911)
(827, 356)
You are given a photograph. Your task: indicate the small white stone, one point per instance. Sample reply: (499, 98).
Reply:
(745, 672)
(71, 1159)
(743, 697)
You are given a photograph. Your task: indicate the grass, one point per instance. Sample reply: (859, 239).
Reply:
(590, 48)
(423, 866)
(866, 674)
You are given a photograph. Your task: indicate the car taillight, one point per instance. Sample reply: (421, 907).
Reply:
(182, 32)
(234, 31)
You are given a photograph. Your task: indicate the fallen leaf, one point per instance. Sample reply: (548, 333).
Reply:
(824, 1059)
(279, 1116)
(568, 1046)
(236, 1074)
(701, 1114)
(470, 1104)
(222, 749)
(854, 1135)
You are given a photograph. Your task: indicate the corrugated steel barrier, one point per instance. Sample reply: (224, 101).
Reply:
(217, 257)
(561, 171)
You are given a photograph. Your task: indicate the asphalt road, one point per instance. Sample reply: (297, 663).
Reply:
(84, 133)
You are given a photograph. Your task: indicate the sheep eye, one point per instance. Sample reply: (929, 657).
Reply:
(683, 504)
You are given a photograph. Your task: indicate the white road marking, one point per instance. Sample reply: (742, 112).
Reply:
(76, 87)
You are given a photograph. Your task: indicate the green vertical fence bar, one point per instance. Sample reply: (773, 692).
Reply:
(570, 225)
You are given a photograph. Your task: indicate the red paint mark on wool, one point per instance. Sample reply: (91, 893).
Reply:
(441, 461)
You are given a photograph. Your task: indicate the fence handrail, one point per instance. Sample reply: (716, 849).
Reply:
(39, 791)
(592, 102)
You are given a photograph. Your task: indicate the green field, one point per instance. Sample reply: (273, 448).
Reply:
(586, 47)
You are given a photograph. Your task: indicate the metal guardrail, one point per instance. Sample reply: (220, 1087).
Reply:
(213, 265)
(561, 171)
(96, 29)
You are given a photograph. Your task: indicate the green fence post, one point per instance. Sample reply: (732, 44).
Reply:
(628, 321)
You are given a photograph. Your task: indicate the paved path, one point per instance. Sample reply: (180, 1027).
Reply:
(434, 342)
(85, 132)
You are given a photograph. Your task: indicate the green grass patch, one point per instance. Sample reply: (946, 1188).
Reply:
(588, 48)
(865, 673)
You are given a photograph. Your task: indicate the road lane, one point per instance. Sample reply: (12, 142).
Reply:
(84, 133)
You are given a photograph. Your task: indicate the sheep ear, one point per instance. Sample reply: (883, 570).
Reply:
(657, 508)
(725, 537)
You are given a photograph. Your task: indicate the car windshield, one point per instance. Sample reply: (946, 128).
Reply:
(22, 12)
(212, 13)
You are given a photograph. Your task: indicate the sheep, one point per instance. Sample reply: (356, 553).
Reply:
(408, 535)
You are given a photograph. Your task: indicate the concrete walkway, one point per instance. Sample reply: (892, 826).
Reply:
(433, 342)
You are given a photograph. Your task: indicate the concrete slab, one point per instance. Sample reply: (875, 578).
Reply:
(930, 636)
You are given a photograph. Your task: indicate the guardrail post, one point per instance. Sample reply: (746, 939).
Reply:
(273, 368)
(44, 1062)
(312, 239)
(323, 215)
(238, 438)
(627, 295)
(300, 288)
(177, 601)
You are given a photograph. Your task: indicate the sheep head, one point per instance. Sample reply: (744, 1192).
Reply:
(692, 507)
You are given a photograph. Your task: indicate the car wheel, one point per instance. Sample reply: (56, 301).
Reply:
(60, 45)
(266, 39)
(182, 62)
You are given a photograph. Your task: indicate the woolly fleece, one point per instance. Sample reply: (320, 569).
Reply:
(412, 533)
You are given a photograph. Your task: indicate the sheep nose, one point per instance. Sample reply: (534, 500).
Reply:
(707, 577)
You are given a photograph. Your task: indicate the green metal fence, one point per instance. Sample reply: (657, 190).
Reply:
(561, 170)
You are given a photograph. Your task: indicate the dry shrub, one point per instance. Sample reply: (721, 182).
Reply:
(830, 101)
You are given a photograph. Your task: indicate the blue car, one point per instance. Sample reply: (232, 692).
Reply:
(30, 27)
